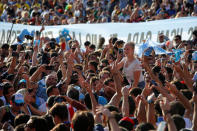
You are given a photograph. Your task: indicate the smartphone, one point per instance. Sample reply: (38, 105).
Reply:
(49, 67)
(15, 54)
(120, 51)
(191, 51)
(14, 47)
(161, 126)
(28, 37)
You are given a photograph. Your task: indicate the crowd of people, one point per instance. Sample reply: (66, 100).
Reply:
(50, 86)
(62, 12)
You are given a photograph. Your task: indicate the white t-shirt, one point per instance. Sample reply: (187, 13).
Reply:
(43, 107)
(133, 66)
(188, 123)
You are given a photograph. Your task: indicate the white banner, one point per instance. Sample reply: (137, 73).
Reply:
(126, 31)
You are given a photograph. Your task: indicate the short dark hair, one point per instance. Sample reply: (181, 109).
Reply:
(21, 119)
(83, 121)
(50, 101)
(93, 63)
(50, 89)
(178, 36)
(113, 40)
(61, 127)
(135, 91)
(187, 93)
(20, 127)
(92, 46)
(107, 81)
(179, 122)
(32, 70)
(87, 43)
(6, 87)
(5, 46)
(39, 123)
(105, 61)
(60, 110)
(177, 107)
(144, 127)
(73, 93)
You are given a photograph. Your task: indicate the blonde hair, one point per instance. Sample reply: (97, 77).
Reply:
(131, 44)
(23, 14)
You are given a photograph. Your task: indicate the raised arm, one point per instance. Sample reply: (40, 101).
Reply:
(151, 110)
(164, 104)
(184, 75)
(34, 56)
(115, 100)
(12, 65)
(112, 121)
(194, 121)
(36, 74)
(125, 103)
(180, 96)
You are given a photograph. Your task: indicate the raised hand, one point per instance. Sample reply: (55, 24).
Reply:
(103, 110)
(125, 91)
(36, 47)
(165, 105)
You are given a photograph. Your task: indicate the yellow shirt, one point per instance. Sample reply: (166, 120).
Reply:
(19, 6)
(1, 9)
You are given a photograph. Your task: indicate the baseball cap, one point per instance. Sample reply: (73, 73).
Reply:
(18, 98)
(22, 81)
(128, 122)
(102, 100)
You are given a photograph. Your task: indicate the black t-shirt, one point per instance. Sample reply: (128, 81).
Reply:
(11, 12)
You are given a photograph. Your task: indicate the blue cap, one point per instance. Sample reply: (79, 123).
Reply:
(18, 98)
(22, 81)
(102, 100)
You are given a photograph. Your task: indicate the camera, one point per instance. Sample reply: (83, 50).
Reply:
(15, 54)
(49, 67)
(28, 37)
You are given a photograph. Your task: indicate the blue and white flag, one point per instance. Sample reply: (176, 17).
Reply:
(64, 34)
(194, 56)
(22, 35)
(140, 48)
